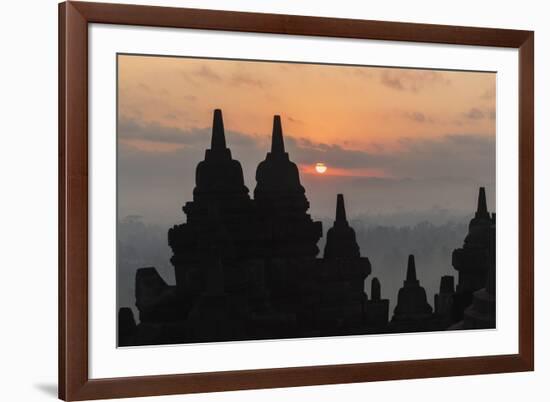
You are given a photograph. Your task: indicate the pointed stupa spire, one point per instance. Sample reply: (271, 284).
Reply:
(412, 303)
(277, 143)
(341, 242)
(218, 133)
(375, 289)
(411, 270)
(340, 209)
(482, 204)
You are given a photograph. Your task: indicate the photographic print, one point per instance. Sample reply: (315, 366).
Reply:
(274, 200)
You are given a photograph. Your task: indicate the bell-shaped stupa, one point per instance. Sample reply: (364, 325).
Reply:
(220, 218)
(472, 260)
(412, 304)
(341, 241)
(219, 177)
(376, 308)
(288, 230)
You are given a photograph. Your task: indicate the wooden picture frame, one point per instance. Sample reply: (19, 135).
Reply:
(74, 381)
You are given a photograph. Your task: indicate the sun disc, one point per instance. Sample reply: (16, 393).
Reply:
(320, 168)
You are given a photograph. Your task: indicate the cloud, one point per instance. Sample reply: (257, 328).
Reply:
(479, 113)
(293, 120)
(198, 76)
(305, 152)
(242, 79)
(208, 74)
(144, 87)
(455, 156)
(474, 114)
(451, 156)
(392, 81)
(411, 80)
(130, 130)
(418, 117)
(204, 73)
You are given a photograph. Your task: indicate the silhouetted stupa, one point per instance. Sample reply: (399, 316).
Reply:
(341, 275)
(218, 177)
(443, 301)
(412, 304)
(472, 260)
(288, 231)
(341, 241)
(376, 310)
(482, 312)
(220, 220)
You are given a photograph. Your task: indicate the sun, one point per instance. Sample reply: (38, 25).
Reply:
(320, 167)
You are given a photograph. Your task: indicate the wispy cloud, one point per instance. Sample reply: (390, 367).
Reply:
(144, 87)
(140, 134)
(418, 117)
(207, 73)
(243, 79)
(411, 80)
(474, 114)
(480, 113)
(293, 120)
(392, 81)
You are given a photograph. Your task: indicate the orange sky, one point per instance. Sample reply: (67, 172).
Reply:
(359, 108)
